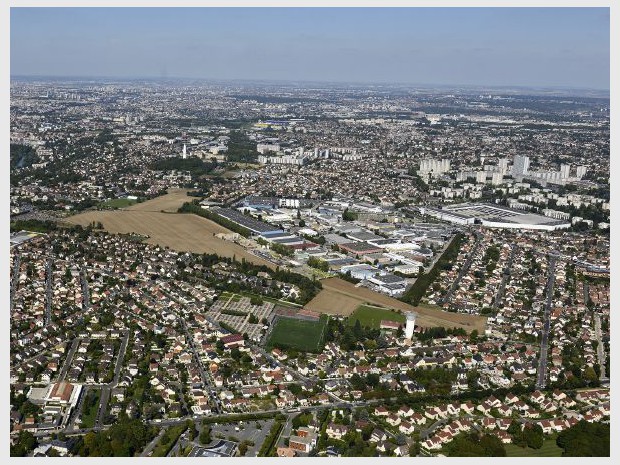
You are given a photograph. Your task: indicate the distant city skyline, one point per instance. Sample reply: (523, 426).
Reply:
(500, 47)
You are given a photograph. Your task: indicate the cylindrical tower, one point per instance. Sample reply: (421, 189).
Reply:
(411, 316)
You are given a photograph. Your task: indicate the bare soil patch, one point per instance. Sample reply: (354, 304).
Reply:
(169, 202)
(340, 297)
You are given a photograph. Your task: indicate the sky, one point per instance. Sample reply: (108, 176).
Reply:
(537, 47)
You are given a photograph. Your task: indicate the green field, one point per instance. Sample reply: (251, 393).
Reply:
(117, 203)
(225, 296)
(298, 334)
(548, 449)
(283, 303)
(90, 408)
(372, 316)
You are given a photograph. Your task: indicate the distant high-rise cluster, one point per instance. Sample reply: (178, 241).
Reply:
(581, 171)
(520, 165)
(436, 167)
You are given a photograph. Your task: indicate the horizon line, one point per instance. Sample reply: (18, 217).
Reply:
(291, 81)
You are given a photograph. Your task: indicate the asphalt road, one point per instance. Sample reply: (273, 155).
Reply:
(463, 270)
(48, 291)
(106, 390)
(77, 411)
(16, 265)
(85, 291)
(544, 343)
(499, 297)
(69, 359)
(151, 445)
(599, 338)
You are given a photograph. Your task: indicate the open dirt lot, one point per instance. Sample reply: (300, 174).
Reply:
(181, 232)
(340, 297)
(333, 303)
(169, 202)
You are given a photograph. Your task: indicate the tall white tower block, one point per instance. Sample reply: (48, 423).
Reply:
(410, 325)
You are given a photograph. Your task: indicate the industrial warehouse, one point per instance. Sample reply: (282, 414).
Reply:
(494, 216)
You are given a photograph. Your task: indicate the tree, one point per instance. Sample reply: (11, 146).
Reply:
(585, 440)
(26, 442)
(348, 215)
(205, 436)
(474, 445)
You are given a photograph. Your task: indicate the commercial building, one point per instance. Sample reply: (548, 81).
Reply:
(360, 248)
(389, 284)
(494, 216)
(361, 271)
(254, 225)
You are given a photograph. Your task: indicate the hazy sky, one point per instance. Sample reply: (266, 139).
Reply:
(554, 47)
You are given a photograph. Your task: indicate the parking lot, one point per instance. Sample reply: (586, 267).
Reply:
(253, 430)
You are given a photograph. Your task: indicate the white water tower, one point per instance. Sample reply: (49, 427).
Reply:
(409, 327)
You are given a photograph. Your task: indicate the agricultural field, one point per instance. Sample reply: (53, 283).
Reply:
(169, 202)
(117, 203)
(340, 297)
(181, 232)
(372, 316)
(548, 449)
(333, 303)
(298, 334)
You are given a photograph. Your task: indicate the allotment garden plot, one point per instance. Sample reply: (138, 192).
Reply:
(238, 313)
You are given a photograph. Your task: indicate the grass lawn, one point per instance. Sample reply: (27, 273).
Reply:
(372, 316)
(429, 306)
(225, 296)
(117, 203)
(283, 303)
(298, 334)
(548, 449)
(90, 414)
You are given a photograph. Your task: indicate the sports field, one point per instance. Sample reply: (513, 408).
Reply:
(372, 316)
(548, 449)
(340, 297)
(298, 334)
(180, 232)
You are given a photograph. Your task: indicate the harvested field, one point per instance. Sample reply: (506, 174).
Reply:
(340, 297)
(181, 232)
(169, 202)
(333, 303)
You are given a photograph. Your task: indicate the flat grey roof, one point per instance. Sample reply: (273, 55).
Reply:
(246, 221)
